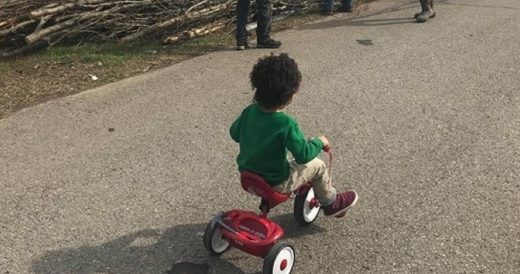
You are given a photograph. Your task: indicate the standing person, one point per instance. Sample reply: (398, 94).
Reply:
(328, 6)
(263, 18)
(426, 11)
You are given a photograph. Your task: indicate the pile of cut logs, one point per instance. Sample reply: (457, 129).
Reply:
(30, 25)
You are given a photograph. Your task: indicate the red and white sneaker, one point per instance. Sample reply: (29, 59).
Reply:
(343, 202)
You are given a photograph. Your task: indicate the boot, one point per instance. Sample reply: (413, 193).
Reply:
(242, 44)
(427, 11)
(422, 9)
(268, 43)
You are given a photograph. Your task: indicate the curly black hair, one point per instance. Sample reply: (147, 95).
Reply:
(276, 79)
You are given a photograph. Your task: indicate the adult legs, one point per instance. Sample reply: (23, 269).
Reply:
(242, 14)
(426, 11)
(264, 13)
(263, 30)
(328, 7)
(347, 5)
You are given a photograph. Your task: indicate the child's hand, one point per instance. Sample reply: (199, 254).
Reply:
(326, 143)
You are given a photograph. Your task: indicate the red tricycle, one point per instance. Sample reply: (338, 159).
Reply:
(254, 233)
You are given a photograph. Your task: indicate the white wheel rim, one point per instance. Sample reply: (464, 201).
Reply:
(287, 255)
(309, 214)
(218, 243)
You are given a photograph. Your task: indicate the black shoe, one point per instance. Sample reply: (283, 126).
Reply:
(424, 16)
(419, 14)
(242, 45)
(326, 12)
(345, 9)
(268, 44)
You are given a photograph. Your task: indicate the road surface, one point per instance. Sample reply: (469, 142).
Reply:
(424, 120)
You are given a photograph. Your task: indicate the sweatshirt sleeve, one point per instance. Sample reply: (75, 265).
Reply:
(234, 131)
(302, 149)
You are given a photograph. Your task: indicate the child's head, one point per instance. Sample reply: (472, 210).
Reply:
(276, 79)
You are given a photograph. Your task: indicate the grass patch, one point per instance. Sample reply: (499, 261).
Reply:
(116, 53)
(106, 52)
(66, 69)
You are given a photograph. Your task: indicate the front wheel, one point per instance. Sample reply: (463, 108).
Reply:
(214, 240)
(280, 259)
(306, 208)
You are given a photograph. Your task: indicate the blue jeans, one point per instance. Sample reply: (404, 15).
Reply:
(329, 4)
(263, 18)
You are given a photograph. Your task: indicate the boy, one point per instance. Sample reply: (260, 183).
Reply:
(265, 134)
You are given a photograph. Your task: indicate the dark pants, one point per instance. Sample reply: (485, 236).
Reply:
(426, 5)
(263, 19)
(328, 5)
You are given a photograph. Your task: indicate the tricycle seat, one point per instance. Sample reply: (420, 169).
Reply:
(255, 184)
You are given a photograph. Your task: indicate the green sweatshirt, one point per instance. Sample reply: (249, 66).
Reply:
(265, 138)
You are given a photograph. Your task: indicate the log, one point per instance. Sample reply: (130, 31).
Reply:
(15, 28)
(39, 35)
(10, 3)
(204, 30)
(42, 44)
(173, 21)
(51, 10)
(46, 22)
(196, 32)
(36, 36)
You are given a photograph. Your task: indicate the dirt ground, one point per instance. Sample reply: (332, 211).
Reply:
(66, 70)
(35, 79)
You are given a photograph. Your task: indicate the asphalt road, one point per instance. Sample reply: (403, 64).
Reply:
(424, 121)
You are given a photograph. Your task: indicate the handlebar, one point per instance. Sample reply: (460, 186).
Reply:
(326, 148)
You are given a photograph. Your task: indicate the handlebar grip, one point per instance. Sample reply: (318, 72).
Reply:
(326, 148)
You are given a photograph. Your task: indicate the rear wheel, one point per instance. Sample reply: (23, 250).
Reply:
(280, 259)
(214, 240)
(306, 208)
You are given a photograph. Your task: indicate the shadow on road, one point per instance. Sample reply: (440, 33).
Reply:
(179, 248)
(357, 21)
(360, 23)
(449, 2)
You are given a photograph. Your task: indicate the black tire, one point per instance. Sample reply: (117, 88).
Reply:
(301, 209)
(281, 251)
(213, 246)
